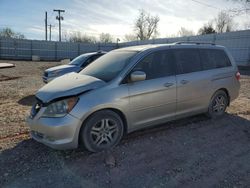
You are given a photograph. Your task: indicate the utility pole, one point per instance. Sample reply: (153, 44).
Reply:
(59, 18)
(50, 31)
(46, 18)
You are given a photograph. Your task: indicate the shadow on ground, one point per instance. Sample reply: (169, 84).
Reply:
(192, 152)
(27, 100)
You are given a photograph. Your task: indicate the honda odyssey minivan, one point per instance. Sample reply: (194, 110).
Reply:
(132, 88)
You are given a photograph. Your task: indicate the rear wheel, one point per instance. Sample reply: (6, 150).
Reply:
(218, 104)
(102, 131)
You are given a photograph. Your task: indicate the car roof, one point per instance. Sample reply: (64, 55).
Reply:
(93, 53)
(172, 45)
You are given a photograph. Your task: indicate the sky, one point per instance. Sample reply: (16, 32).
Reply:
(116, 17)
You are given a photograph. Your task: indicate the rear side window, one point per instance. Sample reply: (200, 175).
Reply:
(156, 65)
(188, 60)
(212, 59)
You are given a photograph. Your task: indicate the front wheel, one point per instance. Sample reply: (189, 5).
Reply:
(218, 104)
(103, 130)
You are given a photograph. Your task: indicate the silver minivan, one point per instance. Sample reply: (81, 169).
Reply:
(132, 88)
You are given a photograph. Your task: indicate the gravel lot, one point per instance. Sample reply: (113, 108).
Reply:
(192, 152)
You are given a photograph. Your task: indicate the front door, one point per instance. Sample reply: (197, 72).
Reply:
(153, 100)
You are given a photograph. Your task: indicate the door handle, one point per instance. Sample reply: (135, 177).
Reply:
(184, 82)
(168, 84)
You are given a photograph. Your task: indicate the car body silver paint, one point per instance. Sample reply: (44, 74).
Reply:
(143, 103)
(68, 85)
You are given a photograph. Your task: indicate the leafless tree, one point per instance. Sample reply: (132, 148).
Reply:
(130, 37)
(9, 33)
(146, 25)
(183, 32)
(223, 22)
(79, 37)
(106, 38)
(244, 9)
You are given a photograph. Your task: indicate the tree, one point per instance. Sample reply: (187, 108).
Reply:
(223, 22)
(146, 25)
(207, 29)
(79, 37)
(9, 33)
(183, 32)
(245, 8)
(105, 38)
(130, 37)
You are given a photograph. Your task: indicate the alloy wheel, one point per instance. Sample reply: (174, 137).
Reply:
(104, 132)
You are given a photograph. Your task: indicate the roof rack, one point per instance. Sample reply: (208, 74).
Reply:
(194, 42)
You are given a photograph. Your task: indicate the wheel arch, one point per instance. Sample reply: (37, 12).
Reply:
(117, 111)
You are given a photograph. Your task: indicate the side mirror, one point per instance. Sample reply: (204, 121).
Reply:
(137, 76)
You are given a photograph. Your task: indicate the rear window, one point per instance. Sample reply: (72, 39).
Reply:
(212, 59)
(188, 60)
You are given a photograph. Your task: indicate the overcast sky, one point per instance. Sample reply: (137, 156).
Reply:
(109, 16)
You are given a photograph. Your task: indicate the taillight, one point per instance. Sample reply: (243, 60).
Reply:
(237, 75)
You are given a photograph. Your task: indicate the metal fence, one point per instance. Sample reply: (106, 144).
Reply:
(237, 42)
(17, 49)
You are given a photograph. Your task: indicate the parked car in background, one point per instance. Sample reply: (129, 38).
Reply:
(75, 65)
(132, 88)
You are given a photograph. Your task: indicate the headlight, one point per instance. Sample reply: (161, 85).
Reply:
(60, 108)
(55, 73)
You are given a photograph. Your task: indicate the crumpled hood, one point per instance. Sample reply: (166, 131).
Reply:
(61, 67)
(67, 85)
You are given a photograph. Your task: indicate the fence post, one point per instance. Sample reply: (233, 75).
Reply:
(248, 63)
(15, 47)
(31, 49)
(98, 47)
(214, 39)
(55, 51)
(78, 48)
(0, 47)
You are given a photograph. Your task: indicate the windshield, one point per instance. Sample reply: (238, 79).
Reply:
(109, 66)
(78, 60)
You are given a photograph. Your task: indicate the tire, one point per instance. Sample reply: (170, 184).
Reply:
(218, 104)
(102, 131)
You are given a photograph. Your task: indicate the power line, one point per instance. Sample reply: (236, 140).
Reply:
(59, 18)
(205, 4)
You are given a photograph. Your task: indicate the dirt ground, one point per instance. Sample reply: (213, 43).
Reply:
(192, 152)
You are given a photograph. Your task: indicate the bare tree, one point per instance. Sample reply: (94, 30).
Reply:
(146, 25)
(130, 37)
(9, 33)
(207, 29)
(183, 32)
(223, 22)
(79, 37)
(244, 9)
(106, 38)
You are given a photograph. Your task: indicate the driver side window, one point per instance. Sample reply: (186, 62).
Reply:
(157, 64)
